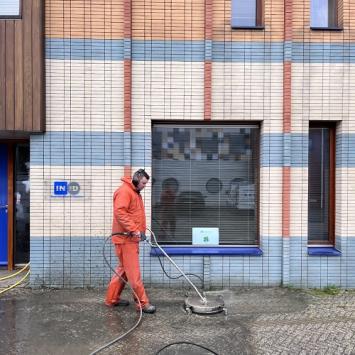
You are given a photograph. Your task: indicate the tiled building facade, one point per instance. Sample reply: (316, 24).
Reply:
(115, 68)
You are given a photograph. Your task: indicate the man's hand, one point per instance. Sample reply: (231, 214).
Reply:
(140, 235)
(143, 236)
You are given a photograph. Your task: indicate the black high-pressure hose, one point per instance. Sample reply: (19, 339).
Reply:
(177, 277)
(187, 343)
(183, 274)
(113, 341)
(162, 266)
(135, 295)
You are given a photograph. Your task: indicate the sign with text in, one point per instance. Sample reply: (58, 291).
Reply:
(205, 236)
(66, 188)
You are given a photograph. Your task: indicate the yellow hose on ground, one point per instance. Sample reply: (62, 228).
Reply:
(16, 273)
(18, 282)
(14, 285)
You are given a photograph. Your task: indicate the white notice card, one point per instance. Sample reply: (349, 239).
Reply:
(205, 236)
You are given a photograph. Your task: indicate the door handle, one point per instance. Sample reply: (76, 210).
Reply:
(4, 206)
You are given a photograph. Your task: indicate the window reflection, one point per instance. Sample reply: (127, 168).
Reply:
(22, 203)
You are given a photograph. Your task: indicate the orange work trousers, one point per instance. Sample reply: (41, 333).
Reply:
(128, 269)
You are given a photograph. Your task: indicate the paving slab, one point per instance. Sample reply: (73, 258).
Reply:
(259, 321)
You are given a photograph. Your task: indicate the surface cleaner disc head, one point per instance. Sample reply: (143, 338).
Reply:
(214, 304)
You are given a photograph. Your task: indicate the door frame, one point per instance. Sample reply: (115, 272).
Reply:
(10, 209)
(10, 199)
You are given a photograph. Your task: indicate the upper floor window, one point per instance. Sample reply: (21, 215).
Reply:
(324, 14)
(246, 13)
(321, 184)
(9, 8)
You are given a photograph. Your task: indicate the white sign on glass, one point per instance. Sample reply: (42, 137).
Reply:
(205, 236)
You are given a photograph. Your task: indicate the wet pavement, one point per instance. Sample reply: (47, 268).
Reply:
(259, 321)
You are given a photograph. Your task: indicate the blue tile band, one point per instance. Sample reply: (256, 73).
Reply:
(273, 153)
(345, 150)
(84, 49)
(199, 51)
(78, 148)
(90, 148)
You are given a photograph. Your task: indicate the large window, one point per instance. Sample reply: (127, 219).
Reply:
(246, 13)
(321, 185)
(205, 177)
(324, 14)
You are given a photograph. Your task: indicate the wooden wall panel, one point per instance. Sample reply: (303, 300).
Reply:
(19, 76)
(10, 75)
(27, 55)
(37, 64)
(2, 76)
(22, 71)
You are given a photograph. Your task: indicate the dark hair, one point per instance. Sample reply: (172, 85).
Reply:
(138, 175)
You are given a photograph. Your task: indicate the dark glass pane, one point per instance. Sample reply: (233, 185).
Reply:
(333, 13)
(204, 177)
(22, 203)
(318, 184)
(244, 13)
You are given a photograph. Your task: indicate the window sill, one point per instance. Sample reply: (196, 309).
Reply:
(257, 28)
(190, 250)
(323, 251)
(10, 17)
(335, 29)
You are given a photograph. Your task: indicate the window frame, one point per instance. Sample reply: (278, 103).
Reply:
(255, 153)
(259, 18)
(13, 17)
(331, 189)
(334, 27)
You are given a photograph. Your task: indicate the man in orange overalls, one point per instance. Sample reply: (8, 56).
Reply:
(129, 225)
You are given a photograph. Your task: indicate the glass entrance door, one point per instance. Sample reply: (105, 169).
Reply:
(3, 204)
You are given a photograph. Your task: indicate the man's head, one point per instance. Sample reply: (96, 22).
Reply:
(140, 179)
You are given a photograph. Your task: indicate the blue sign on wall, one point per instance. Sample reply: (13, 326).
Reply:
(66, 189)
(60, 188)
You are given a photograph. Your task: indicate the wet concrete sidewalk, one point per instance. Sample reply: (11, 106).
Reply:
(259, 321)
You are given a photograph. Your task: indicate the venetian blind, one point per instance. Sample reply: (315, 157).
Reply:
(318, 184)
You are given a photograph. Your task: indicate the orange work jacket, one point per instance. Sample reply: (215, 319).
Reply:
(128, 212)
